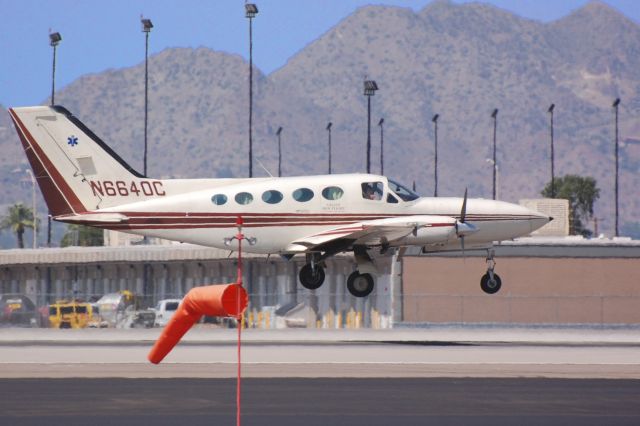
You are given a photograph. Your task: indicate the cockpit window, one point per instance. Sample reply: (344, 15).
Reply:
(272, 196)
(332, 193)
(402, 191)
(243, 198)
(372, 190)
(391, 199)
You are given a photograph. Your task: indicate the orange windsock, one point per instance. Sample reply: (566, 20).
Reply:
(228, 300)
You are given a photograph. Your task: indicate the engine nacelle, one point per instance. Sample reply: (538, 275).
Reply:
(441, 233)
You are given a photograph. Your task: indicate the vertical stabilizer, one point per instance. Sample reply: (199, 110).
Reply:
(76, 171)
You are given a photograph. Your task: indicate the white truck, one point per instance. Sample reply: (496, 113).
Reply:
(164, 310)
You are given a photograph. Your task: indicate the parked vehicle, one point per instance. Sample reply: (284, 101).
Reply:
(70, 314)
(18, 309)
(164, 310)
(116, 307)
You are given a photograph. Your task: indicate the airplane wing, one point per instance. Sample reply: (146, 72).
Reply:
(368, 233)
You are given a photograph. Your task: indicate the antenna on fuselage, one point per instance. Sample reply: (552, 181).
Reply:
(264, 168)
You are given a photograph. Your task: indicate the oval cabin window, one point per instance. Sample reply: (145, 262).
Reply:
(302, 194)
(243, 198)
(219, 199)
(272, 196)
(332, 193)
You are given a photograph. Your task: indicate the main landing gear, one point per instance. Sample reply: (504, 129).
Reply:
(359, 284)
(490, 282)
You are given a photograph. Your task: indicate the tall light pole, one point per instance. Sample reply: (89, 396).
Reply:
(370, 88)
(251, 10)
(615, 105)
(33, 205)
(329, 132)
(279, 132)
(435, 155)
(54, 40)
(553, 176)
(494, 115)
(381, 123)
(146, 29)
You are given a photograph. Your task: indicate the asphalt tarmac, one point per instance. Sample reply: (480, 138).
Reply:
(439, 376)
(336, 401)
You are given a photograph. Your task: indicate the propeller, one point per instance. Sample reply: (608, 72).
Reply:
(462, 227)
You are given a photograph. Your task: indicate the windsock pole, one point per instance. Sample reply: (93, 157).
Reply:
(239, 325)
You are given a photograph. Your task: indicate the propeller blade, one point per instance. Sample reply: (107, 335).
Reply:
(463, 212)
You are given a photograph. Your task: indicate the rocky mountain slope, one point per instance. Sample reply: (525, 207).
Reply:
(460, 61)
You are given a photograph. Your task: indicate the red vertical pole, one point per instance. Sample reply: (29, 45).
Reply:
(240, 237)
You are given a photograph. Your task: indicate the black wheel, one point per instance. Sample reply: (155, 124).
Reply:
(311, 279)
(490, 286)
(360, 285)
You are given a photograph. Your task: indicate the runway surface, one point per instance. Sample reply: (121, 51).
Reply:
(443, 376)
(295, 401)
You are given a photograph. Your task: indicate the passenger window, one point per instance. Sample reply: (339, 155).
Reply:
(332, 193)
(302, 194)
(391, 199)
(243, 198)
(272, 196)
(372, 191)
(219, 199)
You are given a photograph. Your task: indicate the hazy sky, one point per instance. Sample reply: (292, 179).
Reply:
(98, 35)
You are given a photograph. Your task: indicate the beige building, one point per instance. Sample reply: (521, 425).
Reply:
(541, 284)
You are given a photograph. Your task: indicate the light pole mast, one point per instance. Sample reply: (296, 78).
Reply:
(146, 29)
(329, 132)
(553, 176)
(251, 10)
(494, 115)
(370, 88)
(615, 105)
(381, 123)
(279, 132)
(54, 40)
(435, 155)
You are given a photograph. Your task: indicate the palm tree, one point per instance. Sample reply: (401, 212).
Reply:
(17, 219)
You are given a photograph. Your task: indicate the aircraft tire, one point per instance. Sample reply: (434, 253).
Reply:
(360, 285)
(309, 279)
(489, 286)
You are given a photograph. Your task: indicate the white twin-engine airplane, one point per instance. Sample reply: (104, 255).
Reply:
(85, 182)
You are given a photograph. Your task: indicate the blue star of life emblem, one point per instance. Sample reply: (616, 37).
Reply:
(72, 140)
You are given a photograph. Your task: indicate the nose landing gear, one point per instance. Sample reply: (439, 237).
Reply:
(490, 282)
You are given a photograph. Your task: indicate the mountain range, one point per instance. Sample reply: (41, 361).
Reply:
(458, 61)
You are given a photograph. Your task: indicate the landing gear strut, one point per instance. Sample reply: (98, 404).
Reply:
(490, 282)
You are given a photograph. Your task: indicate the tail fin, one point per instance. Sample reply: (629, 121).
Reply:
(76, 171)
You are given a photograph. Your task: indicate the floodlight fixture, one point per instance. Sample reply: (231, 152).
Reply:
(370, 87)
(251, 10)
(494, 114)
(146, 25)
(54, 39)
(435, 118)
(551, 108)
